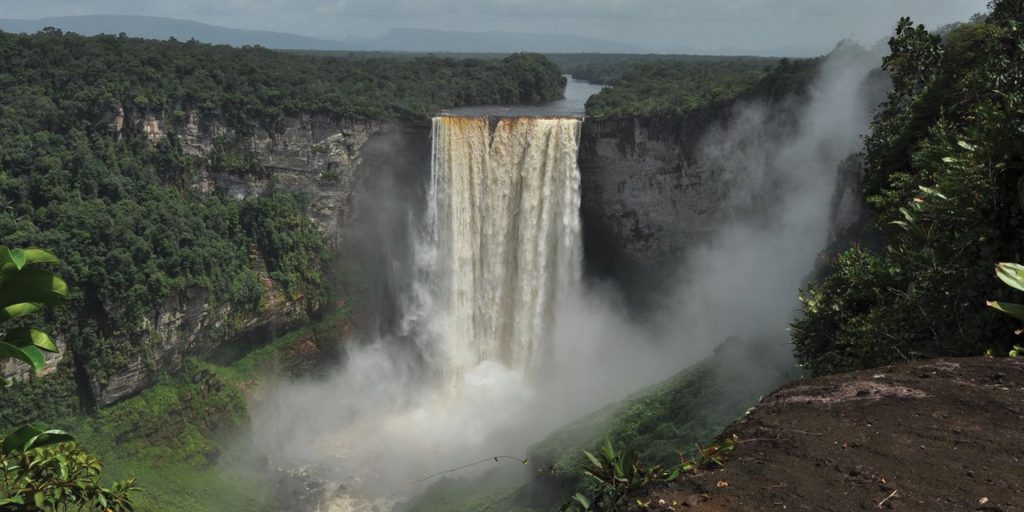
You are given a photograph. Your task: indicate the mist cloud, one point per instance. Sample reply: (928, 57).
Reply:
(383, 419)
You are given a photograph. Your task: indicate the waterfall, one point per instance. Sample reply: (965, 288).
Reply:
(500, 242)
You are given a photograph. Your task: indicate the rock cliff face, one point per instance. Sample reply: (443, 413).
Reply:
(315, 155)
(651, 190)
(643, 200)
(319, 157)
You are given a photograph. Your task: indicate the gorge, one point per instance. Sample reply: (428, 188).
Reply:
(254, 279)
(507, 267)
(501, 337)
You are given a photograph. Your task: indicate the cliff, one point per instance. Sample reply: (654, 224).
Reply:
(924, 435)
(651, 191)
(643, 200)
(324, 159)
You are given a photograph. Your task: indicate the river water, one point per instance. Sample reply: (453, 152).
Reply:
(577, 92)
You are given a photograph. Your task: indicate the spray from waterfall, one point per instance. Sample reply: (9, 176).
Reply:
(499, 342)
(497, 255)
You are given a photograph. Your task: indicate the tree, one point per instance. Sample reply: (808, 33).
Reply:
(942, 170)
(41, 468)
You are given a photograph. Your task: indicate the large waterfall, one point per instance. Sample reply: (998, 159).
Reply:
(500, 242)
(497, 262)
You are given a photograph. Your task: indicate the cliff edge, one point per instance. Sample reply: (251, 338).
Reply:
(929, 435)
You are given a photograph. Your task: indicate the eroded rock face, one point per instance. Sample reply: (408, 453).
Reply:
(643, 200)
(315, 155)
(193, 324)
(319, 157)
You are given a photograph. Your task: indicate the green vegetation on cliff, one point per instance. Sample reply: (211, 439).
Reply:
(659, 423)
(92, 76)
(126, 214)
(186, 438)
(675, 86)
(942, 171)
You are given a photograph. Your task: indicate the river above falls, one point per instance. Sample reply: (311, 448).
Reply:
(577, 92)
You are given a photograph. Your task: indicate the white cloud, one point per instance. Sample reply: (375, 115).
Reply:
(662, 24)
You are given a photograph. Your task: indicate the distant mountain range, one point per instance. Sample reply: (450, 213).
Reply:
(490, 42)
(417, 40)
(151, 27)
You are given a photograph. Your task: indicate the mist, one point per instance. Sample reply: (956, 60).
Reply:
(388, 416)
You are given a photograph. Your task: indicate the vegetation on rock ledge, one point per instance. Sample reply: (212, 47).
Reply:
(943, 172)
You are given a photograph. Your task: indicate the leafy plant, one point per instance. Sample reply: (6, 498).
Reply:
(42, 468)
(618, 473)
(1013, 275)
(24, 291)
(58, 476)
(942, 173)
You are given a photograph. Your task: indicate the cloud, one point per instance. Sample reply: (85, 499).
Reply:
(668, 25)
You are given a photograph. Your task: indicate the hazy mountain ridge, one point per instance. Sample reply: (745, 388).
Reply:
(407, 39)
(151, 27)
(412, 40)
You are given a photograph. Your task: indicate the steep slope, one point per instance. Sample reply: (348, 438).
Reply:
(931, 435)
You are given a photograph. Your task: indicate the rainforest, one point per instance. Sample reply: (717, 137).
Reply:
(310, 273)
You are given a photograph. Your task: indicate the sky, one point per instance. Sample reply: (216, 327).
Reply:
(666, 26)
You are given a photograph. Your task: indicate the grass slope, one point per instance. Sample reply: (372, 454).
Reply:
(184, 439)
(694, 406)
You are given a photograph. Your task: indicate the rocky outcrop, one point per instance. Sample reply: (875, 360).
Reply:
(193, 324)
(643, 199)
(327, 160)
(315, 155)
(921, 436)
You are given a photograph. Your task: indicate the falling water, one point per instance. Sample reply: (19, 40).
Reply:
(497, 257)
(501, 240)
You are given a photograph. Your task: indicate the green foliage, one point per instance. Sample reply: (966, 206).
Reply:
(688, 410)
(24, 291)
(673, 87)
(1013, 275)
(667, 86)
(609, 69)
(40, 399)
(79, 175)
(60, 476)
(942, 170)
(288, 243)
(186, 439)
(618, 473)
(256, 86)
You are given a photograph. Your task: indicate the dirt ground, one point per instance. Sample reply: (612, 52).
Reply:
(937, 435)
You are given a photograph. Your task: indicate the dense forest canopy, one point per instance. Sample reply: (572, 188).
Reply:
(122, 212)
(668, 87)
(942, 171)
(609, 69)
(260, 85)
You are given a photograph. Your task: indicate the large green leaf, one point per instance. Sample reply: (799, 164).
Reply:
(31, 285)
(1016, 310)
(30, 354)
(33, 436)
(1011, 274)
(18, 258)
(24, 337)
(16, 310)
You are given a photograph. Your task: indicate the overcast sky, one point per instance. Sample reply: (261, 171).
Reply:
(661, 25)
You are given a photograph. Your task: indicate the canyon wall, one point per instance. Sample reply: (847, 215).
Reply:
(326, 160)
